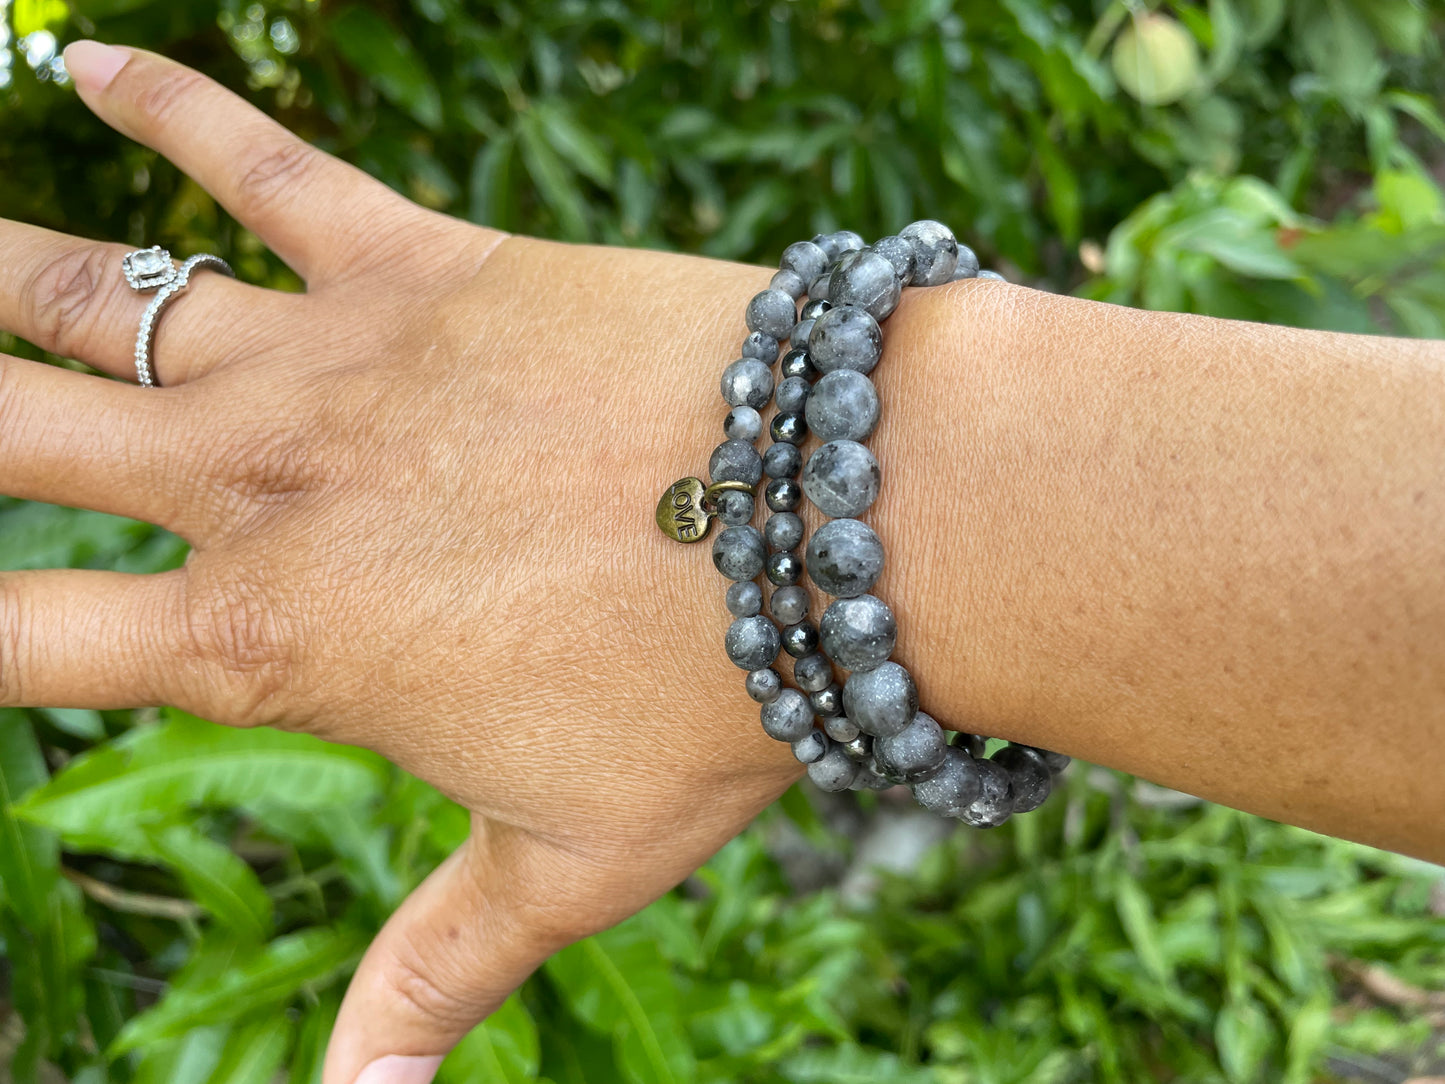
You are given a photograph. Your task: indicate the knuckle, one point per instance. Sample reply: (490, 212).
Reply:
(160, 100)
(238, 636)
(426, 993)
(63, 298)
(275, 170)
(12, 620)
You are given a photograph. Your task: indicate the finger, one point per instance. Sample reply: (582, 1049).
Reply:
(87, 639)
(314, 211)
(69, 296)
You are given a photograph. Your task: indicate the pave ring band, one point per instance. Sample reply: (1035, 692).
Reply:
(152, 269)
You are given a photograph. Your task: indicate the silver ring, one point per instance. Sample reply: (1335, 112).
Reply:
(153, 269)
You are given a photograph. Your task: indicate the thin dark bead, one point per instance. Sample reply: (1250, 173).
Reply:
(815, 308)
(797, 363)
(783, 495)
(828, 701)
(784, 569)
(791, 428)
(802, 639)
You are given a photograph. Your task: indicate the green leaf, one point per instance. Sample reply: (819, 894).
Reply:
(503, 1049)
(490, 188)
(1244, 1036)
(1136, 915)
(216, 878)
(385, 56)
(573, 142)
(554, 180)
(32, 15)
(852, 1065)
(29, 856)
(188, 1059)
(311, 1039)
(77, 722)
(254, 1051)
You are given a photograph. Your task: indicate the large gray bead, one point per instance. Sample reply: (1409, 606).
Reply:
(994, 804)
(789, 605)
(792, 395)
(813, 672)
(883, 700)
(734, 507)
(747, 382)
(840, 728)
(967, 266)
(753, 642)
(858, 633)
(743, 423)
(787, 718)
(764, 685)
(841, 478)
(833, 771)
(761, 347)
(868, 281)
(898, 251)
(845, 337)
(805, 258)
(739, 553)
(790, 282)
(935, 251)
(846, 241)
(773, 313)
(842, 405)
(744, 599)
(736, 461)
(951, 789)
(844, 557)
(783, 531)
(811, 747)
(1029, 776)
(915, 752)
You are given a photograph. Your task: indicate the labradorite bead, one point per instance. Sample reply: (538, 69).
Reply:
(747, 382)
(739, 553)
(792, 394)
(773, 313)
(1057, 762)
(752, 642)
(844, 557)
(734, 507)
(744, 599)
(783, 495)
(950, 790)
(743, 423)
(915, 752)
(843, 405)
(829, 244)
(815, 307)
(991, 276)
(801, 330)
(789, 605)
(967, 266)
(805, 258)
(818, 288)
(994, 804)
(764, 685)
(935, 251)
(783, 531)
(813, 672)
(840, 728)
(800, 639)
(859, 749)
(782, 460)
(797, 363)
(867, 280)
(1029, 776)
(845, 337)
(857, 633)
(827, 701)
(790, 283)
(841, 478)
(762, 347)
(783, 569)
(868, 779)
(790, 428)
(736, 461)
(846, 241)
(810, 747)
(787, 718)
(883, 700)
(898, 251)
(834, 771)
(973, 744)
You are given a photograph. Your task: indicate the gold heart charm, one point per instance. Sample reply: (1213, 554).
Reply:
(680, 513)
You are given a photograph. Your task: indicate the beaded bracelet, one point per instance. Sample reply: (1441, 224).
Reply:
(873, 734)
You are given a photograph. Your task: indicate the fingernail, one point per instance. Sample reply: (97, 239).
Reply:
(93, 65)
(399, 1069)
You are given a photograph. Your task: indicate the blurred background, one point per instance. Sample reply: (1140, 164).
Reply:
(180, 903)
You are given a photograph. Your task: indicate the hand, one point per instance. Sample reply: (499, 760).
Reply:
(419, 499)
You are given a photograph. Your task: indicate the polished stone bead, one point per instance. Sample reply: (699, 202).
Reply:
(859, 749)
(764, 685)
(734, 507)
(773, 313)
(1057, 762)
(747, 382)
(846, 241)
(991, 276)
(744, 599)
(883, 700)
(829, 244)
(783, 569)
(790, 283)
(736, 461)
(975, 745)
(752, 642)
(840, 728)
(800, 639)
(782, 460)
(792, 394)
(783, 531)
(814, 308)
(789, 605)
(915, 752)
(994, 804)
(841, 478)
(868, 779)
(797, 363)
(743, 423)
(935, 251)
(834, 771)
(783, 495)
(867, 280)
(813, 672)
(761, 347)
(951, 789)
(845, 337)
(828, 700)
(790, 428)
(898, 251)
(818, 288)
(787, 718)
(805, 258)
(810, 747)
(844, 557)
(739, 553)
(1029, 776)
(858, 633)
(801, 330)
(967, 266)
(843, 405)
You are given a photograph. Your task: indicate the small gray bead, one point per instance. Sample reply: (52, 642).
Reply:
(846, 241)
(783, 495)
(898, 251)
(764, 685)
(834, 771)
(915, 752)
(743, 423)
(840, 728)
(805, 258)
(935, 251)
(797, 363)
(867, 280)
(800, 639)
(762, 347)
(857, 633)
(739, 553)
(815, 308)
(813, 672)
(783, 569)
(844, 557)
(744, 599)
(841, 478)
(972, 744)
(994, 804)
(1056, 762)
(809, 749)
(789, 605)
(829, 244)
(736, 461)
(773, 313)
(792, 394)
(843, 405)
(787, 718)
(845, 337)
(827, 701)
(801, 330)
(747, 382)
(783, 531)
(734, 507)
(991, 276)
(752, 642)
(950, 790)
(782, 460)
(1029, 776)
(967, 266)
(868, 779)
(883, 700)
(818, 288)
(790, 282)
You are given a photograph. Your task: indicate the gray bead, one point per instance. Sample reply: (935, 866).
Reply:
(734, 507)
(782, 460)
(747, 382)
(935, 251)
(813, 672)
(762, 347)
(857, 633)
(868, 779)
(736, 461)
(744, 599)
(859, 749)
(801, 330)
(783, 531)
(789, 605)
(898, 251)
(972, 744)
(846, 241)
(805, 258)
(809, 749)
(845, 337)
(915, 752)
(844, 557)
(797, 363)
(867, 280)
(967, 266)
(783, 495)
(833, 771)
(827, 701)
(990, 276)
(787, 718)
(840, 728)
(773, 313)
(841, 478)
(790, 282)
(1029, 776)
(843, 405)
(994, 804)
(818, 288)
(743, 423)
(800, 639)
(883, 700)
(815, 307)
(739, 553)
(951, 789)
(829, 244)
(791, 428)
(792, 394)
(764, 685)
(783, 569)
(752, 642)
(1056, 762)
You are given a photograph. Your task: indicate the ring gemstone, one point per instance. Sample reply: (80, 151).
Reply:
(147, 268)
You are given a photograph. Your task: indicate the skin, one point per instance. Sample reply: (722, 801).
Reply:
(1209, 553)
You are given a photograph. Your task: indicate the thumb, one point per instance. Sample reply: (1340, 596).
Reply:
(450, 955)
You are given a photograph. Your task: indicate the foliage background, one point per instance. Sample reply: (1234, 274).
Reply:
(180, 903)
